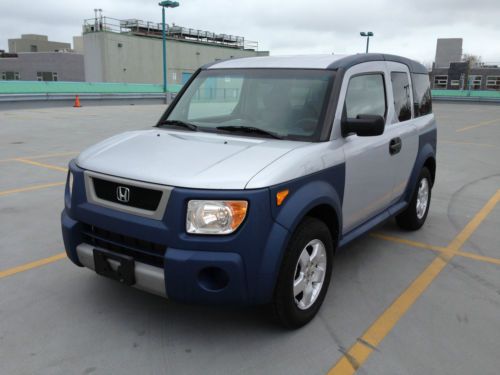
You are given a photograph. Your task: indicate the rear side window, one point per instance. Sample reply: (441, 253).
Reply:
(365, 96)
(421, 94)
(402, 97)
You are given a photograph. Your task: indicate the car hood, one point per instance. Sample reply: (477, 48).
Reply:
(184, 159)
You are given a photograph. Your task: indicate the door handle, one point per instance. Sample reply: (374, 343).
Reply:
(395, 145)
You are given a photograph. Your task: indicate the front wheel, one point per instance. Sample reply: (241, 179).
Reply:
(304, 275)
(415, 214)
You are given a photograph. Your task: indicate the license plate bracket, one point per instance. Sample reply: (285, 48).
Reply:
(123, 270)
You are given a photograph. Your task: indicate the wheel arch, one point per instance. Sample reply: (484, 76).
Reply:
(328, 215)
(316, 198)
(430, 164)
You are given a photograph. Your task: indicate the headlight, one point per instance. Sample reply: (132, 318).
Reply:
(215, 217)
(70, 182)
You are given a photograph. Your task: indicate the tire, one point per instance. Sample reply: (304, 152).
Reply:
(308, 263)
(413, 217)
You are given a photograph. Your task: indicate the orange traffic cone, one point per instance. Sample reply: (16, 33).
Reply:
(77, 102)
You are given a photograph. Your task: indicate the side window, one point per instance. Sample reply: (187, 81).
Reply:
(401, 93)
(421, 94)
(365, 96)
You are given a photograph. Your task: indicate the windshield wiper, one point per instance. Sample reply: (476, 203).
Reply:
(249, 129)
(180, 124)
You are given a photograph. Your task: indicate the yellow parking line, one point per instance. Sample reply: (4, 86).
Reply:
(421, 245)
(484, 123)
(356, 356)
(31, 188)
(478, 257)
(359, 352)
(42, 156)
(404, 241)
(31, 265)
(55, 155)
(43, 165)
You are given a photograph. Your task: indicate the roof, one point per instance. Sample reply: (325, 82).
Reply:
(329, 62)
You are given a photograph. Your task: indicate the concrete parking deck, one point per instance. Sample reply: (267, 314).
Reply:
(425, 302)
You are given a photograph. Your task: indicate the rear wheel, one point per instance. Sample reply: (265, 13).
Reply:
(305, 274)
(415, 214)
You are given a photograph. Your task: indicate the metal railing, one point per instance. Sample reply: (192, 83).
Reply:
(154, 29)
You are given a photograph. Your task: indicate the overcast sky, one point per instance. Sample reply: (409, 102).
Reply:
(404, 27)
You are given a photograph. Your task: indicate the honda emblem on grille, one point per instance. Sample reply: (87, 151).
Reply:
(123, 194)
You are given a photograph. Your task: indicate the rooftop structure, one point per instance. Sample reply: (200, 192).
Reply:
(153, 29)
(448, 50)
(36, 43)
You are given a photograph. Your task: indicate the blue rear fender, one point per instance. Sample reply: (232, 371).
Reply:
(426, 154)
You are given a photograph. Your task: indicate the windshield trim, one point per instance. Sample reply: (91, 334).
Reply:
(324, 118)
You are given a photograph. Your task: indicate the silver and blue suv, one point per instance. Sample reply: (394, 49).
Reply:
(259, 170)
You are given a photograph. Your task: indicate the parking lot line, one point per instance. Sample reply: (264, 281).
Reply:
(404, 241)
(481, 258)
(31, 188)
(43, 165)
(31, 265)
(357, 355)
(43, 156)
(484, 123)
(465, 254)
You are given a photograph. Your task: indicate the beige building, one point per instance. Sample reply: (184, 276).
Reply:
(131, 51)
(36, 43)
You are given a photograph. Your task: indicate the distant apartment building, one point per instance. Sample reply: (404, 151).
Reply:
(36, 43)
(41, 66)
(450, 72)
(34, 58)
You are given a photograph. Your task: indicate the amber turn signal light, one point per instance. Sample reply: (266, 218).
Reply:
(280, 196)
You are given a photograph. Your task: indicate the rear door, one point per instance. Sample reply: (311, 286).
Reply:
(369, 171)
(400, 120)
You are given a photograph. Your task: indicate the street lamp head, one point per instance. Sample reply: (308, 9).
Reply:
(362, 33)
(169, 4)
(370, 33)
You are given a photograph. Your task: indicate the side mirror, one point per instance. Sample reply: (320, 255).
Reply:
(363, 125)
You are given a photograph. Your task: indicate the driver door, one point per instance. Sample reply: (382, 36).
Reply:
(369, 173)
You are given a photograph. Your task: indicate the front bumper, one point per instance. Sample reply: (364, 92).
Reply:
(148, 278)
(240, 268)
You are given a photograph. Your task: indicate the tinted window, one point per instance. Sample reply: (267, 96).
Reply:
(365, 96)
(421, 94)
(401, 93)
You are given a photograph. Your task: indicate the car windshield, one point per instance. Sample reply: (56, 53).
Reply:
(278, 103)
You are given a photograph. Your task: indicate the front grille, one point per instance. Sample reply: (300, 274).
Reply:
(142, 251)
(139, 197)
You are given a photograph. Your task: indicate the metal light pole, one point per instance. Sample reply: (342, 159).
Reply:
(165, 4)
(367, 35)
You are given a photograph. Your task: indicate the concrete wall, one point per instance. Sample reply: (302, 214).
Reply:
(68, 66)
(114, 57)
(448, 50)
(41, 42)
(78, 44)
